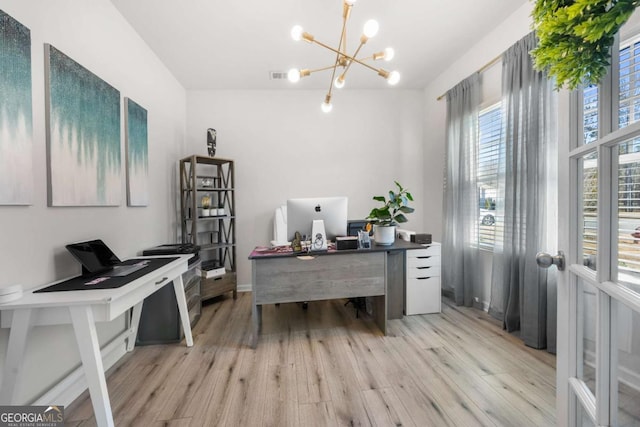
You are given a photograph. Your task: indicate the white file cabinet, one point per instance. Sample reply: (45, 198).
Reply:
(423, 280)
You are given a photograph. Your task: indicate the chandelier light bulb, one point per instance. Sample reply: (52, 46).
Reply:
(296, 33)
(293, 75)
(389, 53)
(339, 82)
(326, 105)
(371, 28)
(394, 78)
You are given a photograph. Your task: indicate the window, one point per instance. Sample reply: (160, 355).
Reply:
(490, 143)
(628, 112)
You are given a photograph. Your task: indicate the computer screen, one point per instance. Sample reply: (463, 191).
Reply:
(302, 212)
(94, 255)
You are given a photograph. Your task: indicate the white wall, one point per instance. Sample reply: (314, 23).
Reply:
(494, 44)
(284, 147)
(32, 253)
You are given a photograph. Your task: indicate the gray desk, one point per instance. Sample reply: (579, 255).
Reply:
(281, 277)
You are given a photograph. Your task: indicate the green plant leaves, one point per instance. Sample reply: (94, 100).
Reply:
(575, 38)
(394, 209)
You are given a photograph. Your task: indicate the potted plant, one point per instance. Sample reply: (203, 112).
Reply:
(206, 205)
(391, 213)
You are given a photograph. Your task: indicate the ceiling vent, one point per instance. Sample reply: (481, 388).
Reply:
(278, 75)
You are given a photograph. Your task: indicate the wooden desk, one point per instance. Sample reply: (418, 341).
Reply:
(83, 309)
(281, 277)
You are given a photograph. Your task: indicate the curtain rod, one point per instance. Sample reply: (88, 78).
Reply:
(482, 69)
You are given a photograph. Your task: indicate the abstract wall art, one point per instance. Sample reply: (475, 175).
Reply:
(16, 126)
(135, 120)
(83, 135)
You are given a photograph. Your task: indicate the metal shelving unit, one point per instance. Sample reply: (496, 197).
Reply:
(201, 176)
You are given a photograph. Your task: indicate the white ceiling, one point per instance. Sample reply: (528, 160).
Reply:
(234, 44)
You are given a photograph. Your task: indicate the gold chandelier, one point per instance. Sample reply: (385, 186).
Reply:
(343, 59)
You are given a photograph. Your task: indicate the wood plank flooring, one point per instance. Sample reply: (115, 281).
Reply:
(325, 367)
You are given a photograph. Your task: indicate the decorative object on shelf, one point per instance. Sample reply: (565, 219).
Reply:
(575, 38)
(83, 135)
(206, 205)
(135, 123)
(342, 58)
(16, 159)
(207, 182)
(211, 141)
(386, 218)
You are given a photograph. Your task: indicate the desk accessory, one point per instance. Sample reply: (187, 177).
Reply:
(318, 236)
(422, 238)
(10, 293)
(346, 242)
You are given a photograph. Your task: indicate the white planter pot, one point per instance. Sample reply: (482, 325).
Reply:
(206, 212)
(384, 234)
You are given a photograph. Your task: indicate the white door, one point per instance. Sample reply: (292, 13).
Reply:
(598, 363)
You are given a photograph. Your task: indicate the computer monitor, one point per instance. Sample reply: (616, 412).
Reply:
(302, 212)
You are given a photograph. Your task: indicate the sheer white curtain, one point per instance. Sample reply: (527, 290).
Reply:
(526, 208)
(461, 212)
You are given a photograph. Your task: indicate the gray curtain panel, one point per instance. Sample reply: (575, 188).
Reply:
(519, 288)
(461, 212)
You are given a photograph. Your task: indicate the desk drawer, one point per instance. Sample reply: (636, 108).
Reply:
(425, 261)
(423, 272)
(423, 295)
(291, 279)
(427, 251)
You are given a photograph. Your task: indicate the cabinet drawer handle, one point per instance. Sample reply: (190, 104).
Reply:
(423, 278)
(424, 257)
(217, 278)
(161, 280)
(423, 268)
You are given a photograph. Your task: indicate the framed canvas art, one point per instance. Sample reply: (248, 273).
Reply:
(16, 123)
(83, 135)
(135, 121)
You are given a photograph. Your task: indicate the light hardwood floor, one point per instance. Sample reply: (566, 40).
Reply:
(325, 367)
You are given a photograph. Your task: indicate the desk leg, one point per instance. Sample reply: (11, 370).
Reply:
(178, 287)
(134, 322)
(256, 318)
(84, 327)
(380, 312)
(20, 327)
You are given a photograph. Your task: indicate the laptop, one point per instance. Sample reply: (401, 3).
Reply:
(96, 258)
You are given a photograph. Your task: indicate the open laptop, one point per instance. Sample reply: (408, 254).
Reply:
(96, 258)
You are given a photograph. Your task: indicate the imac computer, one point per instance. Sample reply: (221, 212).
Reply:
(302, 212)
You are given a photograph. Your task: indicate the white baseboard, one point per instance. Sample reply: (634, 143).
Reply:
(245, 288)
(74, 384)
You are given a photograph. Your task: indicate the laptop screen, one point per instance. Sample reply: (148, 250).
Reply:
(94, 255)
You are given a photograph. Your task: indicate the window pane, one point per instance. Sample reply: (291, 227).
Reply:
(629, 213)
(590, 114)
(629, 109)
(628, 367)
(489, 146)
(586, 336)
(589, 204)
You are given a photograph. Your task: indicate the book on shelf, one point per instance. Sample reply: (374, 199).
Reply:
(211, 269)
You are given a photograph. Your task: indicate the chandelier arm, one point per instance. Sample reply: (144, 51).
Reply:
(322, 69)
(344, 73)
(349, 57)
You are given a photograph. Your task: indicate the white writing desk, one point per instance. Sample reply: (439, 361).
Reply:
(83, 309)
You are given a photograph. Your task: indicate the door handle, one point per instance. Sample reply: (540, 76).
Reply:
(545, 260)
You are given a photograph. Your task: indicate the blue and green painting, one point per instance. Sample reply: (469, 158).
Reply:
(16, 126)
(83, 135)
(137, 154)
